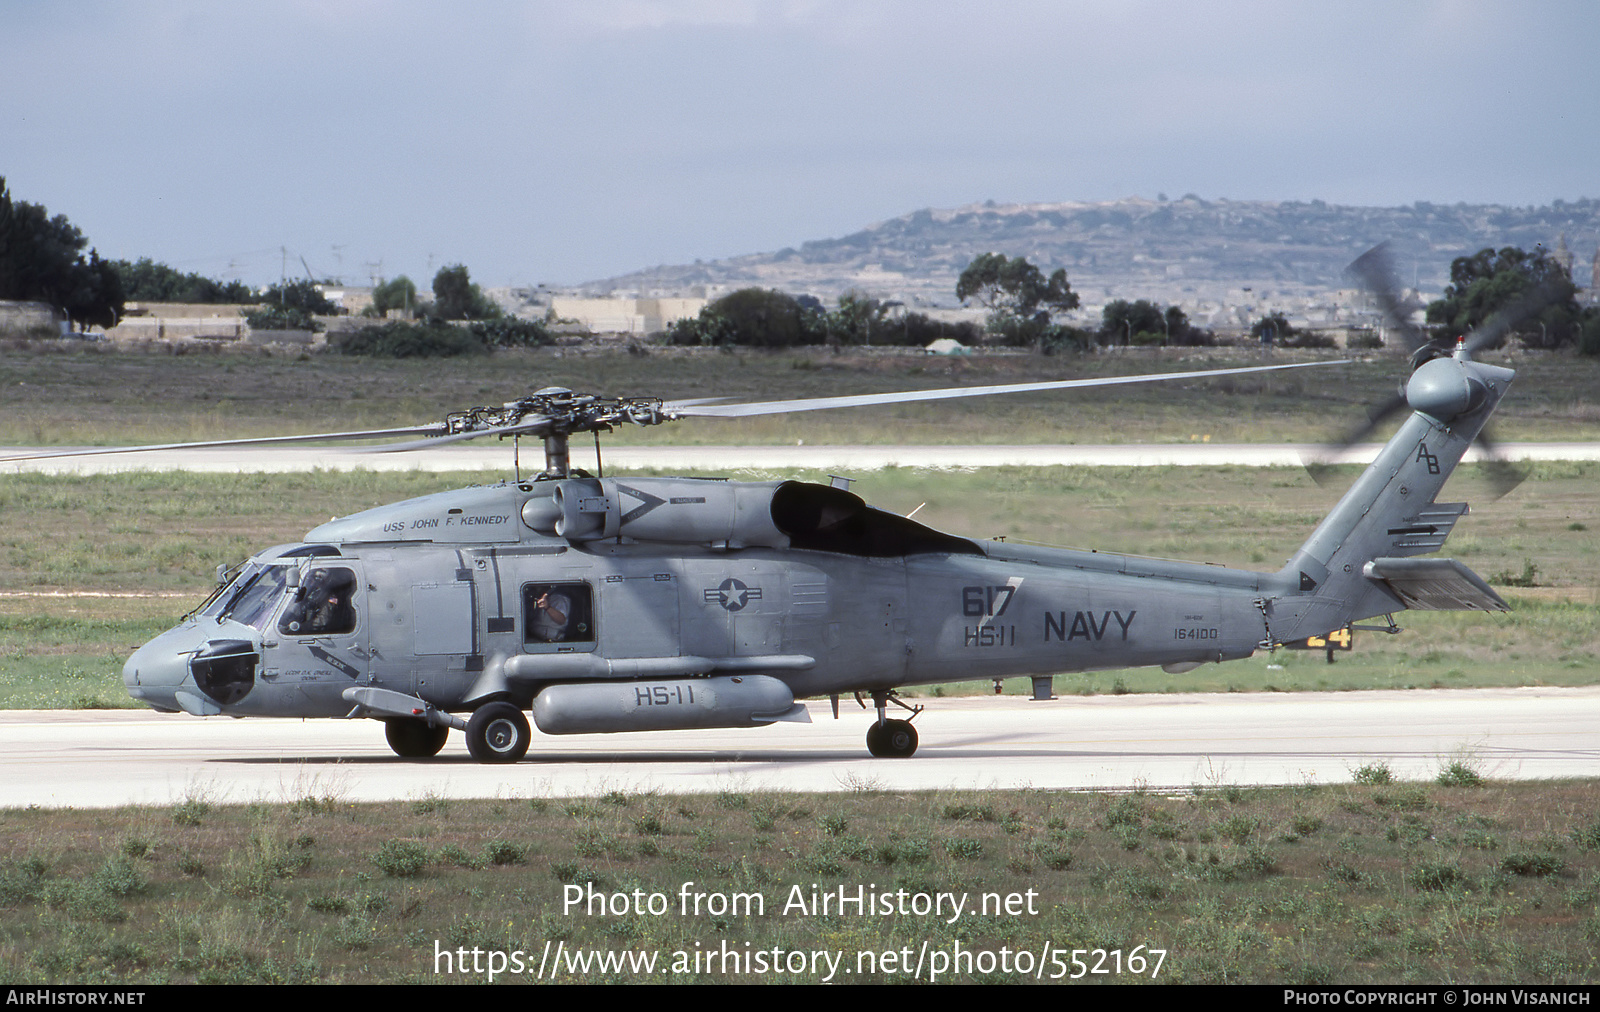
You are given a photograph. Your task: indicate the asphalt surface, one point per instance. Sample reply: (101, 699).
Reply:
(499, 457)
(1164, 742)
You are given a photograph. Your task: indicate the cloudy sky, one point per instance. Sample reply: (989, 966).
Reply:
(560, 142)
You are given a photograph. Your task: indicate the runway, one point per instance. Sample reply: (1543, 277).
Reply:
(112, 758)
(498, 457)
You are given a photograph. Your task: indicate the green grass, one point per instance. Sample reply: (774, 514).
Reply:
(1284, 885)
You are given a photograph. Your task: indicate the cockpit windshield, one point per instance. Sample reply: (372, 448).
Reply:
(251, 597)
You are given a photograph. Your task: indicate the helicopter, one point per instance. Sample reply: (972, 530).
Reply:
(602, 604)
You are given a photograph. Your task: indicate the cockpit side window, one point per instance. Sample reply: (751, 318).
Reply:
(323, 606)
(254, 596)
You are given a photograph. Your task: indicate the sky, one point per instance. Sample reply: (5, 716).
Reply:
(562, 142)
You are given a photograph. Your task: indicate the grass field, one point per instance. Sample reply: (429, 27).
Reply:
(1456, 881)
(70, 394)
(153, 541)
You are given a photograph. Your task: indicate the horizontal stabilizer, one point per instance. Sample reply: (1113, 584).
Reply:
(1435, 585)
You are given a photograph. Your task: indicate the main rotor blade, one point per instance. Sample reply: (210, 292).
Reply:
(538, 426)
(1375, 270)
(315, 437)
(687, 409)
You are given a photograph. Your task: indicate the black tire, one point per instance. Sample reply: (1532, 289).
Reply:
(875, 739)
(498, 733)
(415, 739)
(892, 739)
(898, 740)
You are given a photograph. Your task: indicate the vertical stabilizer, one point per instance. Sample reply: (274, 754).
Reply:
(1391, 511)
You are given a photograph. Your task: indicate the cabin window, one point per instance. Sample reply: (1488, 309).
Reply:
(324, 604)
(558, 613)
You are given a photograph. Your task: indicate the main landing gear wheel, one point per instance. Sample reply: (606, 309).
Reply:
(415, 739)
(892, 739)
(497, 733)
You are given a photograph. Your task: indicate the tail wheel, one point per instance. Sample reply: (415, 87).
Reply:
(892, 739)
(498, 733)
(415, 739)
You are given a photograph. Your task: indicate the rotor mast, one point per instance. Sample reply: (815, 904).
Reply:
(557, 459)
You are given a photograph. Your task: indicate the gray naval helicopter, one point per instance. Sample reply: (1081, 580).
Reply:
(606, 604)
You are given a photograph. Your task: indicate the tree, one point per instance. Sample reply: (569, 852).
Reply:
(1141, 322)
(290, 306)
(1274, 328)
(1020, 299)
(144, 280)
(1144, 322)
(1534, 285)
(42, 260)
(762, 318)
(455, 297)
(401, 293)
(860, 319)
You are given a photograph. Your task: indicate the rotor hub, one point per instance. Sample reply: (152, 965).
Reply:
(1445, 389)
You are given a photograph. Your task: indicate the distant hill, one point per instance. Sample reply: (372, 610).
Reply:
(1186, 250)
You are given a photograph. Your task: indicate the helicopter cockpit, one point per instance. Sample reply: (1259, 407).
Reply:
(249, 593)
(250, 597)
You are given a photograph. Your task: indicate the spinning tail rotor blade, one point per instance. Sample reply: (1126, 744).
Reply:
(1503, 475)
(1375, 270)
(1500, 323)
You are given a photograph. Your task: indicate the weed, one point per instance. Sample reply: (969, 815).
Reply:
(909, 850)
(401, 858)
(1435, 877)
(971, 813)
(191, 812)
(1587, 837)
(1407, 799)
(834, 825)
(1477, 839)
(1459, 774)
(355, 932)
(325, 904)
(1238, 828)
(1305, 825)
(1532, 865)
(1372, 773)
(431, 803)
(649, 824)
(1127, 810)
(964, 850)
(501, 852)
(119, 878)
(1529, 577)
(455, 854)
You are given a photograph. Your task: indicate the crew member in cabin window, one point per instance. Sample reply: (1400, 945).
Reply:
(552, 613)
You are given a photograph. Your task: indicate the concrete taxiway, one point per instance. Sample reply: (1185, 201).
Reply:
(113, 758)
(498, 457)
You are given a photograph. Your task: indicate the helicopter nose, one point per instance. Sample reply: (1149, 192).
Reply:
(154, 672)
